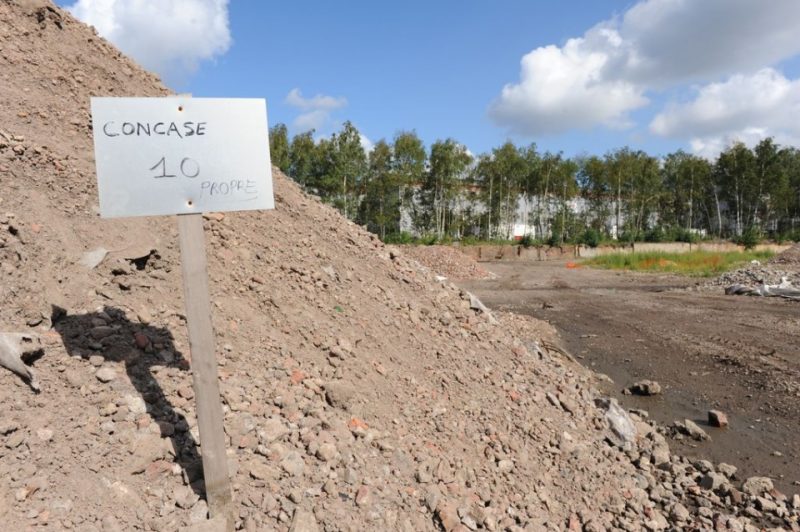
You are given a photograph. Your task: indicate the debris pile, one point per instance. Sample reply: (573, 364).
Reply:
(359, 391)
(778, 277)
(446, 261)
(789, 259)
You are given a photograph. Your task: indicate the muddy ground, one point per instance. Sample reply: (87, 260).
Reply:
(737, 354)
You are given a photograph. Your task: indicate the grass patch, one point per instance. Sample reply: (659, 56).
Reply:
(697, 263)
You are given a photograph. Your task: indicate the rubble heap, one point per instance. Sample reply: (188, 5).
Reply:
(359, 392)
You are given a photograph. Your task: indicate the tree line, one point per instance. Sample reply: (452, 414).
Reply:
(446, 192)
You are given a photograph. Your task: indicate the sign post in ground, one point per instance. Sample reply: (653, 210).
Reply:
(186, 156)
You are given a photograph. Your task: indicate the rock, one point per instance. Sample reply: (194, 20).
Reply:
(796, 501)
(295, 495)
(141, 340)
(766, 505)
(92, 259)
(135, 404)
(679, 513)
(339, 395)
(185, 497)
(717, 418)
(44, 434)
(727, 470)
(623, 430)
(363, 496)
(657, 522)
(757, 485)
(326, 452)
(704, 466)
(101, 331)
(448, 515)
(293, 463)
(303, 521)
(690, 428)
(660, 454)
(214, 216)
(713, 481)
(432, 497)
(106, 374)
(505, 466)
(273, 430)
(645, 387)
(259, 471)
(199, 512)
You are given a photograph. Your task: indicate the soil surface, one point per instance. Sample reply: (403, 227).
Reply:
(360, 391)
(708, 350)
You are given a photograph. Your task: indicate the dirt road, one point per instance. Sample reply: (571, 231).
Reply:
(737, 354)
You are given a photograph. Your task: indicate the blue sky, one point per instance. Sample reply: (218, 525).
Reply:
(599, 74)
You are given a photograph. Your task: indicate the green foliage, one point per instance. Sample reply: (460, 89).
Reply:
(684, 235)
(403, 237)
(787, 236)
(279, 147)
(447, 194)
(750, 238)
(591, 238)
(441, 188)
(429, 240)
(555, 240)
(656, 234)
(304, 163)
(698, 263)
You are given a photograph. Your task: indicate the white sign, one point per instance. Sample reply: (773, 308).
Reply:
(181, 155)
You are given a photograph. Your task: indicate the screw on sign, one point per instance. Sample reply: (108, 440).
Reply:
(186, 156)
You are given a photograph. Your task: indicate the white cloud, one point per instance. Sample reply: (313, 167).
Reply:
(169, 37)
(367, 144)
(563, 88)
(765, 99)
(598, 78)
(686, 40)
(744, 108)
(316, 111)
(296, 99)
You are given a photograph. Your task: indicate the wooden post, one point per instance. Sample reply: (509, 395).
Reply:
(204, 367)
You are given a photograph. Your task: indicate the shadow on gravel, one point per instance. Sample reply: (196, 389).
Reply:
(112, 335)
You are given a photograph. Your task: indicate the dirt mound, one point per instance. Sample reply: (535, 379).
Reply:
(789, 258)
(446, 261)
(359, 392)
(783, 267)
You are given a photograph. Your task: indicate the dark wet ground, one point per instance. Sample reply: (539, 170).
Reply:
(737, 354)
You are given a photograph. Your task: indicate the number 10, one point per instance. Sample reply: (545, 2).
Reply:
(188, 167)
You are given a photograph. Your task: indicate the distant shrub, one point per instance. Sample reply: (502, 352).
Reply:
(750, 238)
(787, 236)
(628, 237)
(428, 240)
(656, 234)
(591, 237)
(685, 235)
(554, 240)
(402, 237)
(528, 241)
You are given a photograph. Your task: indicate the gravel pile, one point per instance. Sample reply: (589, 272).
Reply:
(756, 274)
(360, 393)
(446, 261)
(783, 266)
(788, 259)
